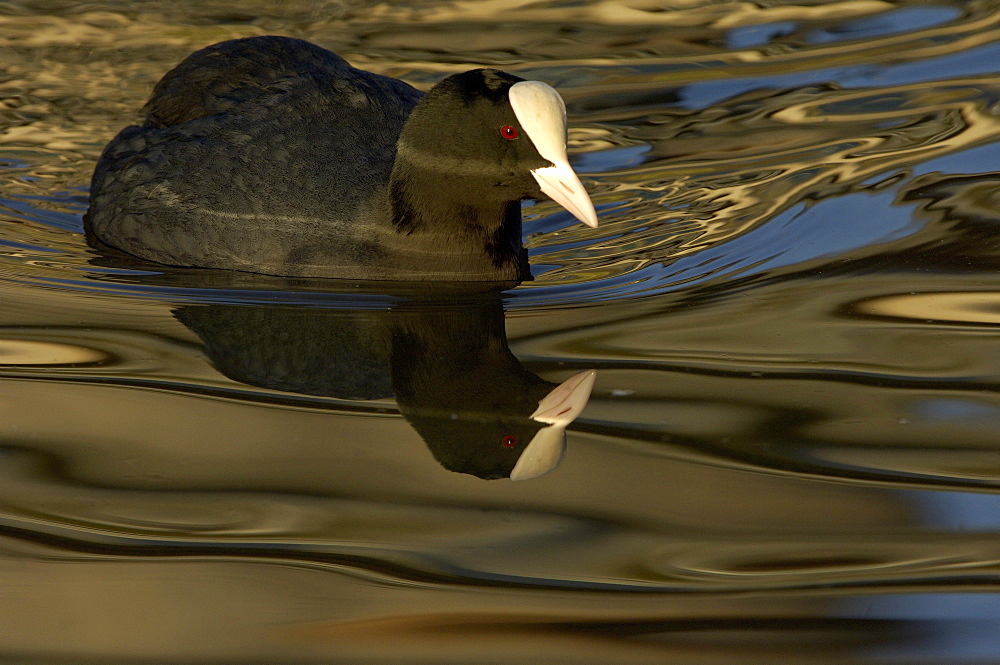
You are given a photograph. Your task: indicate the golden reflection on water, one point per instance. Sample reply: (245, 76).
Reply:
(977, 307)
(40, 353)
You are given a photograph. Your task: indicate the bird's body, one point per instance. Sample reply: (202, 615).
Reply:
(273, 155)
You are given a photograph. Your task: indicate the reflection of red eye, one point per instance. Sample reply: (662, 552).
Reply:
(509, 441)
(508, 132)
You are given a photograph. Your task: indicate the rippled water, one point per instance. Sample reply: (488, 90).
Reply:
(791, 453)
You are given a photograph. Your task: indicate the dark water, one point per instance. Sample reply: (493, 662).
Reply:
(792, 452)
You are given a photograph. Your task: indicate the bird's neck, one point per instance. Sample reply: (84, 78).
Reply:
(428, 208)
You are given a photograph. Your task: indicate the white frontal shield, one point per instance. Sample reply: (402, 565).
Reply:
(542, 115)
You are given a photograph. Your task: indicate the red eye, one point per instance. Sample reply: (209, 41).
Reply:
(509, 441)
(508, 132)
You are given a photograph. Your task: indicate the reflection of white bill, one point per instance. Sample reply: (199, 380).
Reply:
(559, 408)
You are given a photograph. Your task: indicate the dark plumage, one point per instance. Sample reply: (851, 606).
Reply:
(273, 155)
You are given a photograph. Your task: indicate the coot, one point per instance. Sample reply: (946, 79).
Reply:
(273, 155)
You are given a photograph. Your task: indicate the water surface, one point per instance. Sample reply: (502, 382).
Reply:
(791, 453)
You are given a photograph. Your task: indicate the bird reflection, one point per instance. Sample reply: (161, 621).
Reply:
(445, 359)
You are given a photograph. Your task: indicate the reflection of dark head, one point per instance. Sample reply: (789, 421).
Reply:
(464, 392)
(469, 399)
(483, 445)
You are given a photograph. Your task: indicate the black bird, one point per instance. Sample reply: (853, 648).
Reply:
(273, 155)
(445, 360)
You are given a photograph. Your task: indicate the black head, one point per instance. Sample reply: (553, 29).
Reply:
(465, 154)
